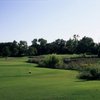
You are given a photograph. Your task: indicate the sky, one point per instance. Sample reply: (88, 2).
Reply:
(49, 19)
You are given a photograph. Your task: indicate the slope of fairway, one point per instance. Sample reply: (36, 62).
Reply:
(42, 84)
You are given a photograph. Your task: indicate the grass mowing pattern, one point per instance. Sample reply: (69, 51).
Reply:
(42, 84)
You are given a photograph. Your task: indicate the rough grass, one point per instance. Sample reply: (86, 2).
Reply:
(42, 84)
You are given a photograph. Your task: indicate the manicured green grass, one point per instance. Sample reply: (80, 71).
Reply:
(42, 84)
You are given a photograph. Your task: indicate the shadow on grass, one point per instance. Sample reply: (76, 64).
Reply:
(81, 80)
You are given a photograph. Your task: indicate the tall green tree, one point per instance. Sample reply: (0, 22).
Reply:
(86, 45)
(42, 42)
(72, 44)
(32, 51)
(34, 43)
(22, 48)
(58, 46)
(14, 49)
(6, 52)
(42, 46)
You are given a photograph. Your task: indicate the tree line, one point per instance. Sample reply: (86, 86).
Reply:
(86, 45)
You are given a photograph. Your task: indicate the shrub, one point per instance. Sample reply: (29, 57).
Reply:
(35, 59)
(79, 63)
(99, 53)
(50, 61)
(90, 74)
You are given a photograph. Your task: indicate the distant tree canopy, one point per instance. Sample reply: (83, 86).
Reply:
(41, 46)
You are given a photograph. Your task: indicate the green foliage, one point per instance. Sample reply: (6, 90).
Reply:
(36, 59)
(51, 61)
(34, 43)
(6, 51)
(14, 49)
(90, 74)
(22, 48)
(70, 62)
(99, 53)
(31, 51)
(86, 45)
(79, 63)
(42, 42)
(72, 46)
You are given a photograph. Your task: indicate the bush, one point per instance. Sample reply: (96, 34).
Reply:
(99, 53)
(35, 59)
(50, 61)
(79, 63)
(90, 74)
